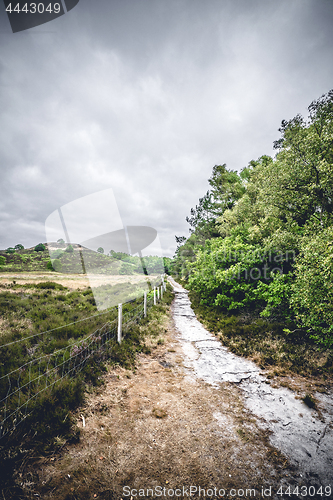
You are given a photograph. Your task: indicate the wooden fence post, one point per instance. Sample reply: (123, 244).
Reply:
(154, 295)
(145, 304)
(120, 321)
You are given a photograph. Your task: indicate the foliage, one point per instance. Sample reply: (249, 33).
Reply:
(227, 272)
(10, 250)
(69, 249)
(2, 260)
(57, 254)
(275, 347)
(40, 247)
(19, 247)
(100, 250)
(57, 265)
(312, 290)
(276, 213)
(50, 266)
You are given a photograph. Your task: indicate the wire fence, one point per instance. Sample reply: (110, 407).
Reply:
(21, 388)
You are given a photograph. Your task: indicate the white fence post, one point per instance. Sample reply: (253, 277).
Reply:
(120, 321)
(158, 293)
(145, 304)
(161, 291)
(154, 295)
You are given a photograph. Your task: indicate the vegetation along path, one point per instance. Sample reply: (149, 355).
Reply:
(181, 418)
(303, 434)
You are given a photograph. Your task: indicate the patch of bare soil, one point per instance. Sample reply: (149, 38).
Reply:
(159, 427)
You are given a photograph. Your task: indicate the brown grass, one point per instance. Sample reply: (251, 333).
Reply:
(71, 281)
(158, 426)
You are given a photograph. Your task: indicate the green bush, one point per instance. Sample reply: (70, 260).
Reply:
(19, 247)
(57, 254)
(40, 247)
(2, 260)
(57, 265)
(10, 250)
(69, 249)
(312, 291)
(50, 285)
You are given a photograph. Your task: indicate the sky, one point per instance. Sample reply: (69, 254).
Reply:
(144, 97)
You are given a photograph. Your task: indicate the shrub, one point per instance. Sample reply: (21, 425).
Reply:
(19, 247)
(312, 291)
(49, 266)
(2, 260)
(57, 254)
(40, 247)
(10, 250)
(100, 250)
(126, 268)
(69, 249)
(57, 266)
(61, 241)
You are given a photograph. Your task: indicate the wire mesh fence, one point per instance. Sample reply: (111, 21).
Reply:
(21, 388)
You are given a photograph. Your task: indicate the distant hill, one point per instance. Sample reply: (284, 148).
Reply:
(29, 260)
(77, 259)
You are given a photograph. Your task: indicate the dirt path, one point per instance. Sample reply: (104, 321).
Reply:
(161, 427)
(303, 434)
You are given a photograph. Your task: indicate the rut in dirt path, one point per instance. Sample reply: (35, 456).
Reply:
(297, 431)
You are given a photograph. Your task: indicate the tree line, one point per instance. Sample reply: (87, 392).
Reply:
(261, 240)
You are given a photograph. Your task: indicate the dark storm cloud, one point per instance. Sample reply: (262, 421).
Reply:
(146, 97)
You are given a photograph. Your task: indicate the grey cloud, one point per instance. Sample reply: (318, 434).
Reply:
(146, 97)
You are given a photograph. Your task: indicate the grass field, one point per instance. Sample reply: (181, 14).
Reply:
(33, 303)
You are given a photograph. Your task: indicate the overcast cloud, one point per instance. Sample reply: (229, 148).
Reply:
(145, 97)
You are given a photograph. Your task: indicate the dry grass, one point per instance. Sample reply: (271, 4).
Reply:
(71, 281)
(158, 426)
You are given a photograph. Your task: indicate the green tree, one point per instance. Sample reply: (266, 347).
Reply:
(69, 249)
(2, 260)
(40, 247)
(301, 178)
(100, 250)
(57, 265)
(226, 188)
(10, 250)
(19, 247)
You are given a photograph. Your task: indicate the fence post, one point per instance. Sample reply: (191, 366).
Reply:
(145, 304)
(158, 293)
(161, 291)
(154, 295)
(120, 321)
